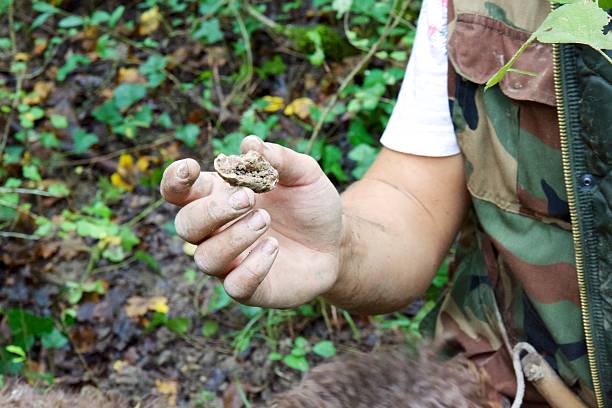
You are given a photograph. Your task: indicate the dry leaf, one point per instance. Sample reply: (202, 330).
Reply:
(169, 389)
(130, 76)
(40, 45)
(275, 103)
(138, 306)
(149, 21)
(22, 56)
(119, 365)
(300, 107)
(41, 91)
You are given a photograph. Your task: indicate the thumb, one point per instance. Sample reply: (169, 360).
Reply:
(294, 169)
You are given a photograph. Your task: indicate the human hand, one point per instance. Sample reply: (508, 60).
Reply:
(277, 249)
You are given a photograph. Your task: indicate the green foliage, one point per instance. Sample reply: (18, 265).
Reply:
(573, 22)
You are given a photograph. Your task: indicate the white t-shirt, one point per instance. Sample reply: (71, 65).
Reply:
(421, 122)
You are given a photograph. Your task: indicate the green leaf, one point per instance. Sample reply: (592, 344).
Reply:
(21, 322)
(332, 162)
(99, 17)
(324, 349)
(44, 7)
(210, 328)
(114, 18)
(71, 64)
(341, 7)
(209, 31)
(127, 94)
(188, 134)
(59, 121)
(107, 113)
(219, 299)
(82, 141)
(54, 339)
(148, 260)
(580, 23)
(364, 155)
(275, 356)
(30, 171)
(178, 325)
(71, 21)
(297, 363)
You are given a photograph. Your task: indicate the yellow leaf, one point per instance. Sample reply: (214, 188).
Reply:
(130, 75)
(126, 161)
(169, 389)
(299, 107)
(275, 103)
(138, 306)
(119, 365)
(39, 94)
(22, 56)
(143, 163)
(189, 249)
(117, 181)
(159, 304)
(149, 21)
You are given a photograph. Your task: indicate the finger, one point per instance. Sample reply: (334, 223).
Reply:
(200, 218)
(182, 182)
(244, 282)
(214, 255)
(294, 169)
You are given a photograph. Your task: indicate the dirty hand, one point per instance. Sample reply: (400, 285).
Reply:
(278, 249)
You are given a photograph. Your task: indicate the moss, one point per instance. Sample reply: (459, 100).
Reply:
(335, 45)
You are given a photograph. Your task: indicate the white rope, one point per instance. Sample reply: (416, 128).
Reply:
(518, 371)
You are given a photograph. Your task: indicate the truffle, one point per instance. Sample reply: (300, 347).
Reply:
(250, 170)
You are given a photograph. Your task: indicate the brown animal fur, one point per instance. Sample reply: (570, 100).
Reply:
(25, 396)
(389, 380)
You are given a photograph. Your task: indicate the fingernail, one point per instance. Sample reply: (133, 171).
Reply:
(240, 200)
(183, 170)
(256, 221)
(270, 247)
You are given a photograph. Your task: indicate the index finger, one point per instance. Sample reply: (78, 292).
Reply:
(183, 182)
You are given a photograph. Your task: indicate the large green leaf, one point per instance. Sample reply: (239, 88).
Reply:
(572, 23)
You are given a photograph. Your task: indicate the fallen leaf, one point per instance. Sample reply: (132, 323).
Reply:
(299, 107)
(41, 91)
(119, 365)
(149, 21)
(130, 76)
(275, 103)
(138, 306)
(169, 389)
(40, 45)
(118, 181)
(22, 56)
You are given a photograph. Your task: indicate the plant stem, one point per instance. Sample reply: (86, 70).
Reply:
(389, 26)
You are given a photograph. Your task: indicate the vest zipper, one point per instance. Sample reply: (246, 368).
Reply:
(561, 89)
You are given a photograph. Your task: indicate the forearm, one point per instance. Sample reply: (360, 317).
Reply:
(394, 240)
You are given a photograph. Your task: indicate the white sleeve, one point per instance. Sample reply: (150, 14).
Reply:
(421, 123)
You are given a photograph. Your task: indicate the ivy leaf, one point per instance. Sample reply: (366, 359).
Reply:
(178, 325)
(54, 339)
(127, 94)
(82, 141)
(296, 362)
(341, 6)
(324, 349)
(188, 134)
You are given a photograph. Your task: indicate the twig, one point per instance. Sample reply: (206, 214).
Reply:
(9, 234)
(389, 26)
(18, 79)
(148, 210)
(8, 190)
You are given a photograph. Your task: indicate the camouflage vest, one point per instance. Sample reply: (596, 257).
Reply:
(514, 277)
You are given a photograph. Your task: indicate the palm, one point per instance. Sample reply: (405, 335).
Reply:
(306, 220)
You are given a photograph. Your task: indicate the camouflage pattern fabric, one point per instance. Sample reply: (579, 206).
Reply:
(514, 276)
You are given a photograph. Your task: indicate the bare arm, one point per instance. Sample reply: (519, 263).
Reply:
(398, 223)
(369, 251)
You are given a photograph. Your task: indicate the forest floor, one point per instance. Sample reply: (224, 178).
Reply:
(96, 98)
